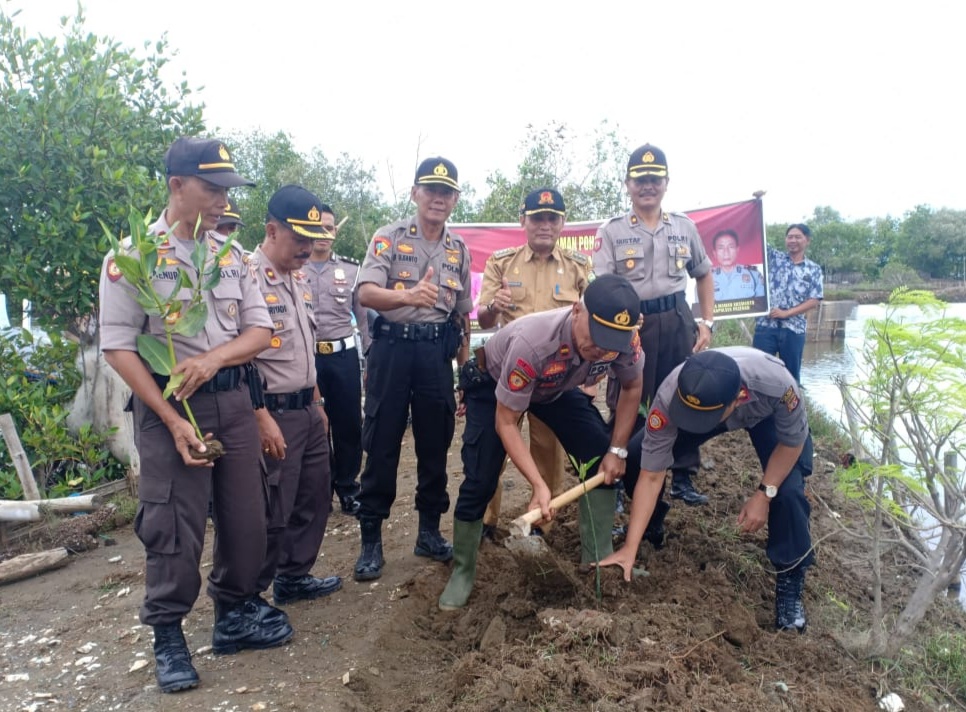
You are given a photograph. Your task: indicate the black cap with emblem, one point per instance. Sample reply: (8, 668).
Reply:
(647, 160)
(231, 216)
(439, 171)
(613, 311)
(299, 210)
(708, 383)
(209, 159)
(543, 200)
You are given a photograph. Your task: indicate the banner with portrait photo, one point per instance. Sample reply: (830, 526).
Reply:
(744, 218)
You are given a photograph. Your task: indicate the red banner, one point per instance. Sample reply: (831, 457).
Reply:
(745, 219)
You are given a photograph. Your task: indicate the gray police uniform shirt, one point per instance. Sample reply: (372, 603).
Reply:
(398, 257)
(743, 282)
(657, 263)
(533, 359)
(234, 305)
(767, 389)
(335, 299)
(288, 364)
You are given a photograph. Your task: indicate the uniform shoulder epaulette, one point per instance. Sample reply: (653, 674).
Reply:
(578, 257)
(350, 260)
(608, 221)
(505, 252)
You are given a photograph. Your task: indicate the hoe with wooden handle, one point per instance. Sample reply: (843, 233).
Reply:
(521, 526)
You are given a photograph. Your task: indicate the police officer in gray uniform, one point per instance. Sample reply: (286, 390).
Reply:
(536, 363)
(712, 393)
(657, 251)
(416, 274)
(335, 301)
(176, 487)
(292, 424)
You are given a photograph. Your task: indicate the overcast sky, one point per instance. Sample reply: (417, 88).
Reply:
(856, 105)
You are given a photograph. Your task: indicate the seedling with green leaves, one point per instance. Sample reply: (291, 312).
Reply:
(139, 258)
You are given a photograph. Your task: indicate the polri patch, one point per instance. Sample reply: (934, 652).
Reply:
(379, 245)
(517, 380)
(113, 271)
(656, 420)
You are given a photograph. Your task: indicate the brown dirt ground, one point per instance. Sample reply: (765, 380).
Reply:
(693, 635)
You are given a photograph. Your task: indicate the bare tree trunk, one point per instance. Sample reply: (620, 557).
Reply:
(26, 565)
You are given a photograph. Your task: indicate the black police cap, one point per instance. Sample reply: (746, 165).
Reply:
(647, 160)
(437, 170)
(209, 159)
(613, 309)
(299, 210)
(231, 216)
(708, 383)
(543, 200)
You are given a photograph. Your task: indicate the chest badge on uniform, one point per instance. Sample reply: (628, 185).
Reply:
(225, 261)
(307, 296)
(271, 298)
(452, 283)
(629, 251)
(276, 342)
(339, 273)
(399, 286)
(232, 309)
(453, 259)
(564, 351)
(405, 248)
(629, 264)
(279, 325)
(554, 367)
(270, 273)
(403, 275)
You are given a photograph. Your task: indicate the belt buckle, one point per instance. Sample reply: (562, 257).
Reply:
(325, 348)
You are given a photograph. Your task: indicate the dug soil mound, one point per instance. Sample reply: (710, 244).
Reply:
(695, 633)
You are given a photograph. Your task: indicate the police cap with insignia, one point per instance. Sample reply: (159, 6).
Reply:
(299, 210)
(613, 309)
(543, 200)
(208, 159)
(708, 383)
(231, 216)
(438, 171)
(647, 160)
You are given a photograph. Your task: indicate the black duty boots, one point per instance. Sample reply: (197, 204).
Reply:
(288, 589)
(370, 562)
(173, 667)
(682, 488)
(789, 609)
(240, 626)
(429, 542)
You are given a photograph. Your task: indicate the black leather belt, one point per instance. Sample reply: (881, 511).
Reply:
(290, 401)
(227, 379)
(661, 304)
(409, 332)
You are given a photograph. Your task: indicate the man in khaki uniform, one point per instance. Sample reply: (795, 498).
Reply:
(175, 487)
(335, 301)
(292, 424)
(534, 277)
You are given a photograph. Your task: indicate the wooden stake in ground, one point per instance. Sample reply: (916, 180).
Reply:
(19, 457)
(27, 565)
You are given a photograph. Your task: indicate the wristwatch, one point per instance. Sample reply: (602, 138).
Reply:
(708, 323)
(769, 490)
(619, 451)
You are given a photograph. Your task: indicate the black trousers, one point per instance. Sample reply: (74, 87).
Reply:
(404, 376)
(572, 417)
(789, 535)
(339, 380)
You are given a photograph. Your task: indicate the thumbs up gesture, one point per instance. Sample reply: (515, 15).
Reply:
(426, 291)
(503, 299)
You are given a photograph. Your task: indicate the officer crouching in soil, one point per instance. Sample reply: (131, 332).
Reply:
(535, 364)
(292, 425)
(711, 393)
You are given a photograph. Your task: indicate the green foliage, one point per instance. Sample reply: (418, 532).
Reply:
(936, 671)
(82, 133)
(345, 184)
(38, 384)
(139, 257)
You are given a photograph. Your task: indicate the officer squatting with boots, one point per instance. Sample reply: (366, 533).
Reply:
(416, 274)
(175, 487)
(536, 364)
(711, 393)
